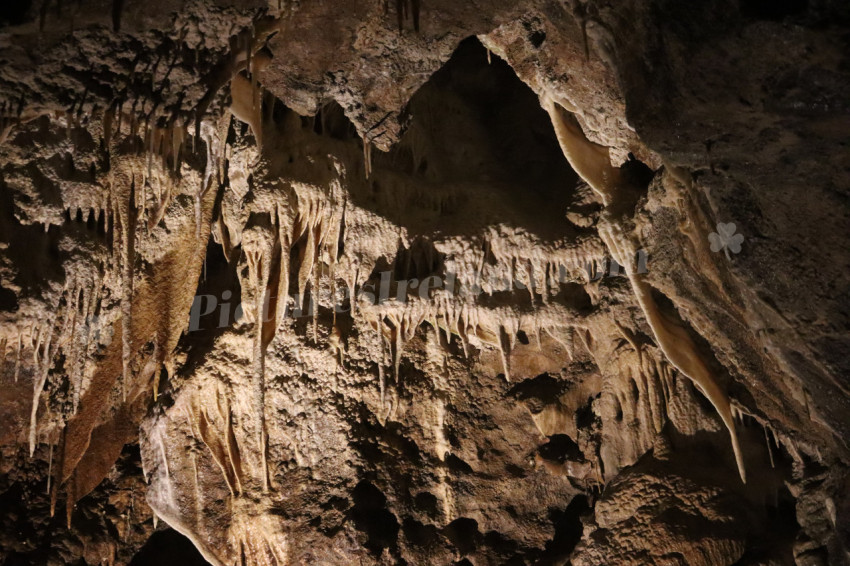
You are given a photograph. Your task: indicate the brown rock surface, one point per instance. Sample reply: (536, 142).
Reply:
(200, 201)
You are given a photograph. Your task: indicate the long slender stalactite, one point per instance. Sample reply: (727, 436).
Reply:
(592, 162)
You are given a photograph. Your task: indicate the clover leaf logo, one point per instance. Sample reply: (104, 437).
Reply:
(726, 239)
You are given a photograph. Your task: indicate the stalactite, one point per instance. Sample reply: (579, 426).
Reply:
(405, 8)
(769, 448)
(283, 274)
(214, 445)
(88, 447)
(75, 358)
(42, 370)
(199, 497)
(246, 105)
(676, 343)
(381, 378)
(70, 502)
(592, 163)
(398, 347)
(150, 132)
(567, 348)
(307, 254)
(653, 385)
(35, 342)
(462, 333)
(314, 305)
(162, 206)
(506, 338)
(257, 253)
(18, 356)
(54, 491)
(367, 156)
(108, 116)
(442, 447)
(49, 468)
(127, 219)
(230, 444)
(198, 200)
(631, 339)
(178, 139)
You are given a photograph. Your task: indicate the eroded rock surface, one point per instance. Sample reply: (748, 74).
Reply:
(425, 282)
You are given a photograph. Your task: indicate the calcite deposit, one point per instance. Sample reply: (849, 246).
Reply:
(425, 282)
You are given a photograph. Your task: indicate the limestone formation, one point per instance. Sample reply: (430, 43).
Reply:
(424, 283)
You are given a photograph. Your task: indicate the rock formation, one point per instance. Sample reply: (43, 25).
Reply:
(425, 282)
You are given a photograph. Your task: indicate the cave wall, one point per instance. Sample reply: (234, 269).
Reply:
(592, 380)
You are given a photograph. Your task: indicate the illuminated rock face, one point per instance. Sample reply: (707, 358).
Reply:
(424, 283)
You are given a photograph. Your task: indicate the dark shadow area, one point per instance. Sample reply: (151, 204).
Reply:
(477, 150)
(561, 448)
(568, 531)
(457, 465)
(411, 265)
(8, 300)
(168, 547)
(419, 534)
(539, 391)
(773, 10)
(463, 534)
(14, 12)
(33, 250)
(371, 516)
(427, 503)
(215, 306)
